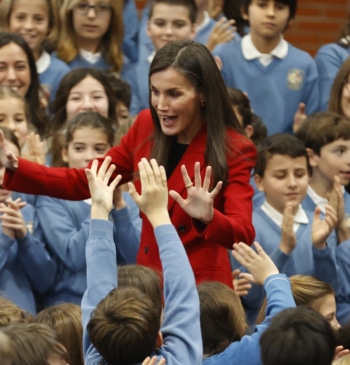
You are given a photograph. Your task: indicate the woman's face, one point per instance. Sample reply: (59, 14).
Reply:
(14, 68)
(87, 95)
(345, 98)
(177, 104)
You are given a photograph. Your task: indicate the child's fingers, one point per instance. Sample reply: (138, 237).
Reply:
(114, 183)
(163, 176)
(258, 248)
(133, 193)
(93, 168)
(102, 170)
(246, 276)
(156, 171)
(148, 170)
(143, 175)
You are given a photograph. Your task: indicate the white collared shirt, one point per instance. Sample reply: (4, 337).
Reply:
(89, 56)
(151, 56)
(250, 52)
(299, 218)
(43, 63)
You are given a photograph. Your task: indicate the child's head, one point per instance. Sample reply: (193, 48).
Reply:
(317, 295)
(143, 278)
(122, 93)
(125, 325)
(14, 114)
(81, 90)
(99, 25)
(35, 343)
(34, 20)
(222, 317)
(88, 136)
(282, 170)
(18, 71)
(268, 19)
(171, 20)
(298, 336)
(343, 336)
(339, 98)
(11, 313)
(326, 136)
(65, 319)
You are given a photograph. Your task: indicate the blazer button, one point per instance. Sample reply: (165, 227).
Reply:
(146, 250)
(182, 229)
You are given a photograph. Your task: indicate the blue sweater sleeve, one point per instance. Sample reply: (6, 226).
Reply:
(65, 234)
(247, 350)
(101, 270)
(38, 265)
(181, 325)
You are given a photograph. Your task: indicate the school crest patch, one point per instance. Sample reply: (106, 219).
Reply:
(295, 79)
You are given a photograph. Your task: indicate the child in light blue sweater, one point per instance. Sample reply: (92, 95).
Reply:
(276, 76)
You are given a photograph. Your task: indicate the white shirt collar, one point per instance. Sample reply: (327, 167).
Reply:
(89, 56)
(250, 52)
(299, 218)
(43, 63)
(151, 56)
(319, 200)
(204, 23)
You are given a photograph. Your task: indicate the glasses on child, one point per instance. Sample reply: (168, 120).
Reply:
(347, 85)
(100, 8)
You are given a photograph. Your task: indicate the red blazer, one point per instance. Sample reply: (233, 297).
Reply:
(206, 250)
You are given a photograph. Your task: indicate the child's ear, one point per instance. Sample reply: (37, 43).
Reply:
(159, 340)
(64, 154)
(259, 182)
(313, 157)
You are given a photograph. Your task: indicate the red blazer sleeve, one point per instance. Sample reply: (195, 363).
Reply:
(71, 184)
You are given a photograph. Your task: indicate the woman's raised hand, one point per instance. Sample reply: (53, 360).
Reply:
(200, 201)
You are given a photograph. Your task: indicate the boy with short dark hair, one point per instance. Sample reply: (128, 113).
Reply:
(294, 238)
(326, 136)
(121, 325)
(298, 336)
(276, 75)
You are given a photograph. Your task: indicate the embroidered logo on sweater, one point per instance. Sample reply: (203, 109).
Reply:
(295, 79)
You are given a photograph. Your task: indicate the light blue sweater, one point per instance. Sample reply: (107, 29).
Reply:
(181, 321)
(276, 90)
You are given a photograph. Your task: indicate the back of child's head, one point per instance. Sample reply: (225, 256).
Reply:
(91, 120)
(343, 336)
(189, 4)
(298, 336)
(121, 89)
(124, 326)
(143, 278)
(11, 313)
(65, 319)
(259, 130)
(222, 317)
(110, 43)
(34, 343)
(322, 128)
(291, 3)
(279, 144)
(6, 350)
(241, 103)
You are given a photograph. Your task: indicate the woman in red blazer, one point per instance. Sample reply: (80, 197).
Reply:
(190, 121)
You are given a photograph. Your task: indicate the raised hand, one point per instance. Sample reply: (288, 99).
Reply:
(13, 224)
(7, 157)
(299, 117)
(153, 361)
(100, 189)
(223, 32)
(321, 228)
(36, 151)
(200, 201)
(258, 263)
(153, 200)
(241, 284)
(288, 239)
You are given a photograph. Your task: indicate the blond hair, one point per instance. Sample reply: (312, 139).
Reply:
(111, 42)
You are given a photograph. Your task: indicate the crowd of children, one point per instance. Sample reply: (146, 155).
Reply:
(123, 247)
